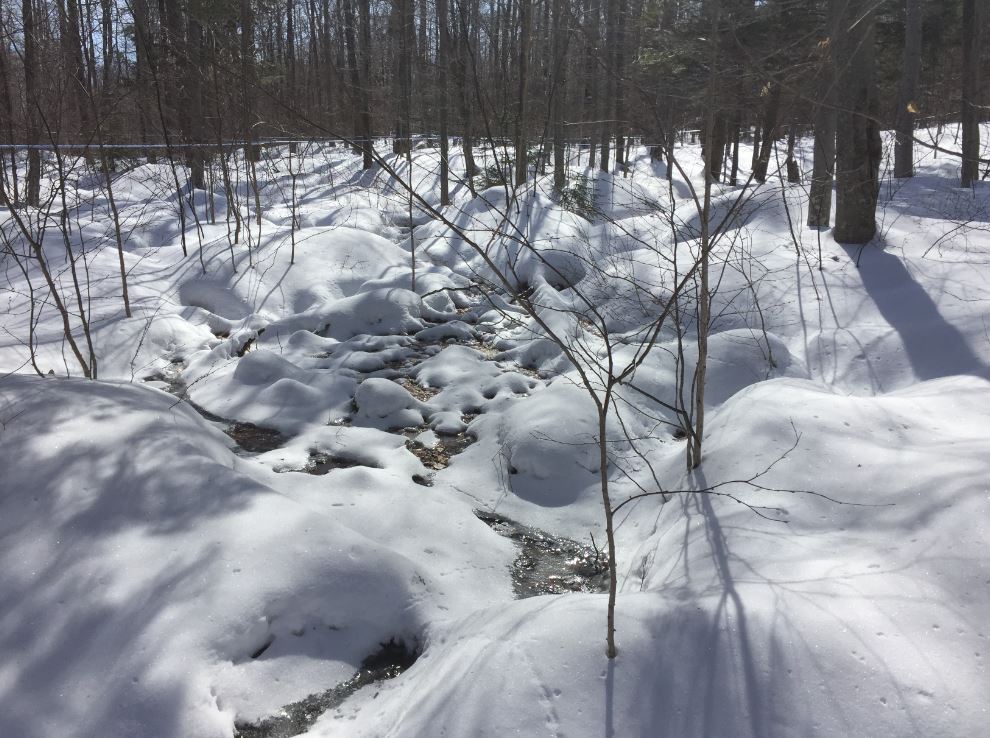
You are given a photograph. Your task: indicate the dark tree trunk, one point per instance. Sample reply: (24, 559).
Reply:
(290, 51)
(771, 113)
(75, 66)
(559, 91)
(464, 71)
(443, 45)
(793, 170)
(736, 125)
(368, 144)
(404, 28)
(823, 169)
(195, 126)
(618, 70)
(972, 37)
(145, 79)
(251, 151)
(910, 70)
(858, 145)
(593, 74)
(526, 28)
(719, 136)
(756, 148)
(607, 91)
(31, 96)
(353, 71)
(7, 117)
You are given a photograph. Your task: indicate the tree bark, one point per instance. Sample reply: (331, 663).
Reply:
(972, 37)
(464, 72)
(906, 109)
(793, 170)
(443, 44)
(368, 144)
(32, 123)
(771, 112)
(559, 91)
(194, 125)
(823, 168)
(607, 67)
(858, 144)
(290, 50)
(251, 151)
(404, 40)
(526, 29)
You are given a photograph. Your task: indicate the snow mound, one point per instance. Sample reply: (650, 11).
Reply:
(381, 403)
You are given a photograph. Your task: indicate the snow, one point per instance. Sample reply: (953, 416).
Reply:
(157, 579)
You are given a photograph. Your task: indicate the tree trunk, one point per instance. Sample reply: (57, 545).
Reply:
(858, 144)
(771, 112)
(145, 79)
(719, 134)
(404, 41)
(823, 169)
(607, 69)
(906, 108)
(354, 73)
(559, 91)
(793, 170)
(290, 51)
(464, 71)
(525, 24)
(618, 70)
(736, 125)
(592, 98)
(368, 144)
(252, 152)
(74, 66)
(32, 123)
(972, 37)
(7, 117)
(195, 126)
(443, 44)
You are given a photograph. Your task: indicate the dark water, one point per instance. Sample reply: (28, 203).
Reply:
(549, 564)
(320, 463)
(249, 437)
(253, 438)
(393, 658)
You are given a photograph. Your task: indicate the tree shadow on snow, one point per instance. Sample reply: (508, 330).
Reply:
(934, 347)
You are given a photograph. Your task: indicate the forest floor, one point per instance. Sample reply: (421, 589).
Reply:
(308, 498)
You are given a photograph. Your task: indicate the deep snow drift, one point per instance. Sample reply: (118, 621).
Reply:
(161, 578)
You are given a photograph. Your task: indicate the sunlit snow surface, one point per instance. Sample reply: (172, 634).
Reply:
(161, 578)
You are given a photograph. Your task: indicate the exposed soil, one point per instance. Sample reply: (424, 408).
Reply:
(423, 394)
(438, 456)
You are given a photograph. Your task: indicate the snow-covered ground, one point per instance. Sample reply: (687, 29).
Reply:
(161, 578)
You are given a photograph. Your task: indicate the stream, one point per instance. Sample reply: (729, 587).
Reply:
(545, 564)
